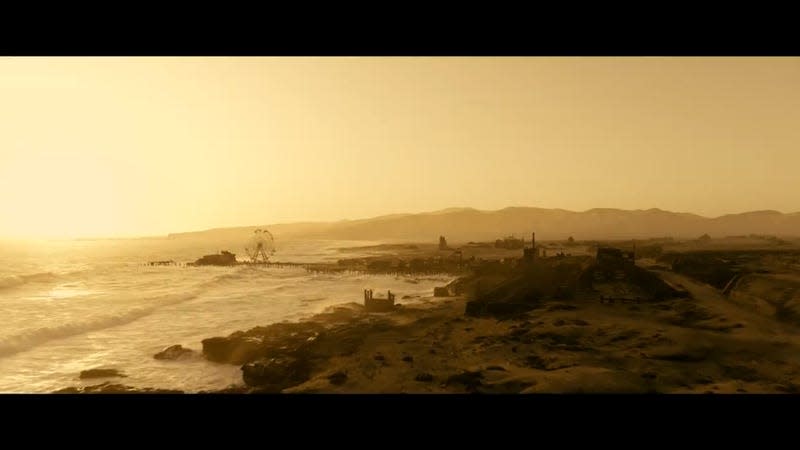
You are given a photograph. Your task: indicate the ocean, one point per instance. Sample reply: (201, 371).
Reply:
(73, 305)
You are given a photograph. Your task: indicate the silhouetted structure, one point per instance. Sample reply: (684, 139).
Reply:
(378, 304)
(611, 257)
(529, 254)
(224, 258)
(510, 243)
(443, 243)
(261, 244)
(162, 263)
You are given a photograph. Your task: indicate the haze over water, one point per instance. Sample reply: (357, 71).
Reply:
(127, 147)
(69, 306)
(132, 147)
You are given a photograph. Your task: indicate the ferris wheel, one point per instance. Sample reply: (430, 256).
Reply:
(260, 246)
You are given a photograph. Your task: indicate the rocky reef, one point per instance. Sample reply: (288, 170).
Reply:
(560, 324)
(285, 354)
(173, 352)
(110, 388)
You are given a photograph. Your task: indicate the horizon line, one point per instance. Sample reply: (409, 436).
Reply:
(443, 210)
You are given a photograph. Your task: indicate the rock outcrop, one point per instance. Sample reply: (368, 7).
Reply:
(261, 342)
(282, 355)
(173, 352)
(276, 374)
(109, 388)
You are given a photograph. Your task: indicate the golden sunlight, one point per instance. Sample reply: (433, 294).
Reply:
(111, 147)
(59, 194)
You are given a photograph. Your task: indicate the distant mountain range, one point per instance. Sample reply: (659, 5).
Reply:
(467, 224)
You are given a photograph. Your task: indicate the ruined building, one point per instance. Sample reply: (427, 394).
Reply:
(224, 258)
(443, 243)
(613, 263)
(443, 291)
(529, 254)
(378, 304)
(614, 258)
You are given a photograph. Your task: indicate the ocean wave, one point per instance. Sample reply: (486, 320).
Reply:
(237, 275)
(33, 338)
(222, 279)
(19, 280)
(40, 277)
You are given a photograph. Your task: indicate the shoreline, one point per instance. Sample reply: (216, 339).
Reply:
(433, 347)
(600, 335)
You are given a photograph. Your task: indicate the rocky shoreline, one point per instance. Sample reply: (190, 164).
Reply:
(557, 347)
(558, 326)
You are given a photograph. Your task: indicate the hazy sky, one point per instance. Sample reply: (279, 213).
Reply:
(142, 146)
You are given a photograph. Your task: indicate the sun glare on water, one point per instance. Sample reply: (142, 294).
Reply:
(68, 291)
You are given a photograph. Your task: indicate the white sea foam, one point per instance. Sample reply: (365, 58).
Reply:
(29, 339)
(18, 280)
(119, 312)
